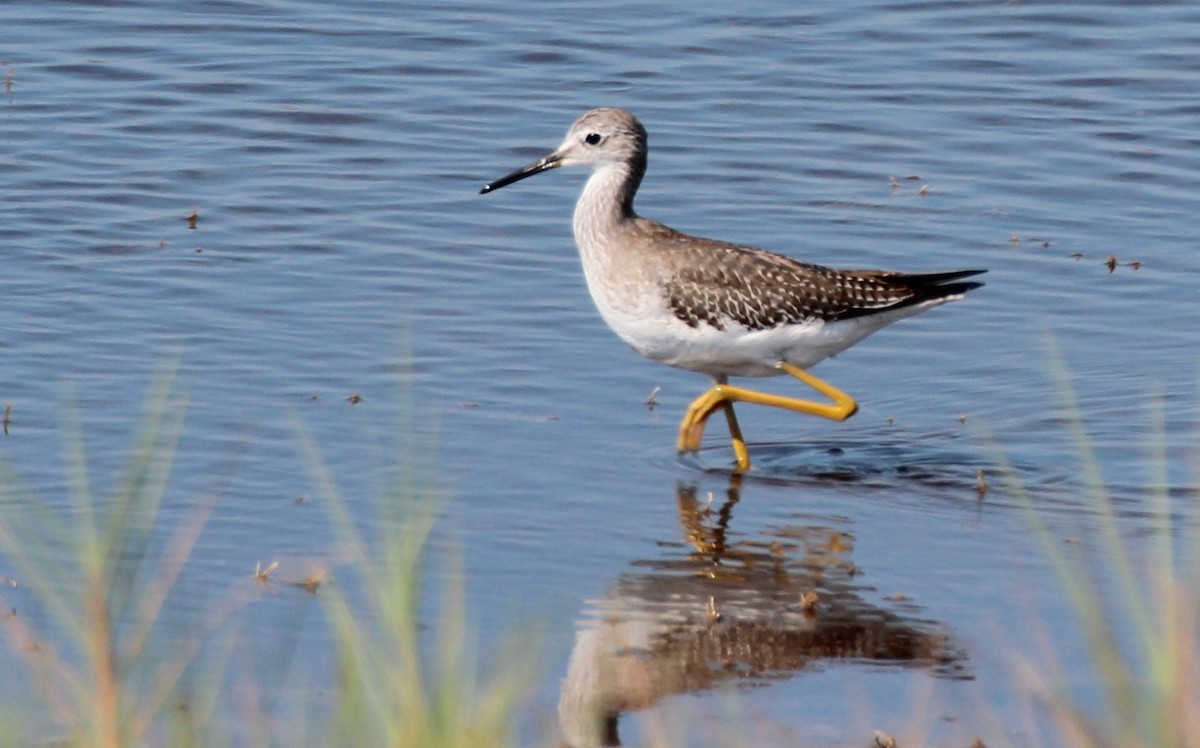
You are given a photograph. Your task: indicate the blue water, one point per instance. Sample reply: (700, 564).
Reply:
(332, 154)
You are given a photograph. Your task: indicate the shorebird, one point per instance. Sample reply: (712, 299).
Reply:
(720, 309)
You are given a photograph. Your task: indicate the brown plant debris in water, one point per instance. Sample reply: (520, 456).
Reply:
(263, 576)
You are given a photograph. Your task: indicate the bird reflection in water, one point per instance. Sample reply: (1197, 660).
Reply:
(735, 610)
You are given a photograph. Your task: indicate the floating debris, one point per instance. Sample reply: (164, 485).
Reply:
(1112, 262)
(924, 190)
(354, 399)
(263, 576)
(809, 600)
(1016, 239)
(193, 218)
(7, 417)
(894, 182)
(310, 583)
(981, 486)
(883, 740)
(652, 400)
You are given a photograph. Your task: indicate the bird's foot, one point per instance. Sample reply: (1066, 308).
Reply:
(691, 428)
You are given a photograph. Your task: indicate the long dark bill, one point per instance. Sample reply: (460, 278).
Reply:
(542, 164)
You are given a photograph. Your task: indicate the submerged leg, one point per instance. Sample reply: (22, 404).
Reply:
(723, 395)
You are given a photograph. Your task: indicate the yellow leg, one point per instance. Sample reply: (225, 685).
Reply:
(722, 395)
(739, 444)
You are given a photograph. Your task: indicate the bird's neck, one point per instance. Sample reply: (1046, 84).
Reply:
(606, 203)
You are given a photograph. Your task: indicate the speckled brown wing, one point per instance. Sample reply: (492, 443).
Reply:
(714, 283)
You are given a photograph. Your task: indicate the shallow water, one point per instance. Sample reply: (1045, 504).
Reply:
(333, 155)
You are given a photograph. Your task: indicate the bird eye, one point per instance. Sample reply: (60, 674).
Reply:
(592, 138)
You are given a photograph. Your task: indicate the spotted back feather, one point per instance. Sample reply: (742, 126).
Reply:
(716, 283)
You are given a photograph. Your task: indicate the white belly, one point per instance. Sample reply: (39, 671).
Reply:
(653, 330)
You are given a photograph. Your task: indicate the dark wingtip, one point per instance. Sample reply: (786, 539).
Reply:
(935, 279)
(954, 289)
(939, 284)
(969, 273)
(943, 284)
(920, 288)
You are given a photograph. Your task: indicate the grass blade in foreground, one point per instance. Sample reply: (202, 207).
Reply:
(1152, 687)
(390, 690)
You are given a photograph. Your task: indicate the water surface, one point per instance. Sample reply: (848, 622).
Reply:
(332, 155)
